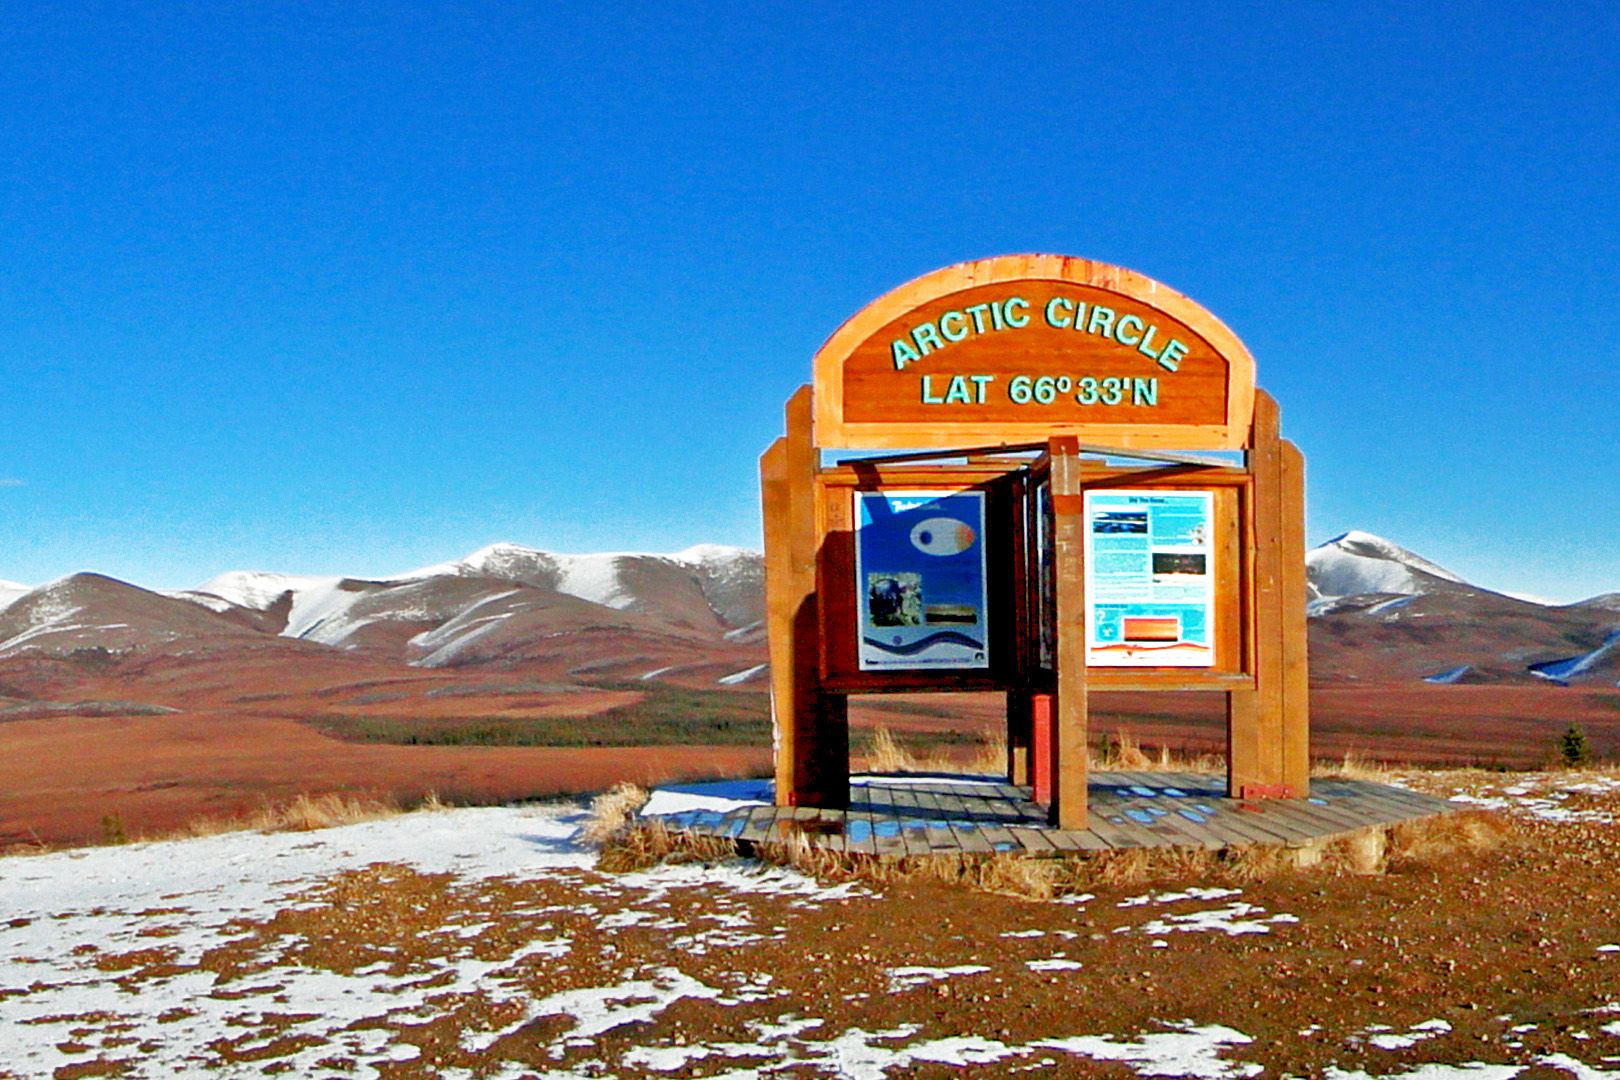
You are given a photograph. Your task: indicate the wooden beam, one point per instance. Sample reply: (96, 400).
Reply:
(1296, 688)
(779, 607)
(1069, 738)
(821, 729)
(1254, 717)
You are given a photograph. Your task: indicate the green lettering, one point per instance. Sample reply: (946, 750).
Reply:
(958, 392)
(945, 330)
(1053, 306)
(1079, 314)
(1119, 330)
(995, 315)
(928, 395)
(903, 353)
(982, 381)
(977, 311)
(1170, 359)
(1020, 321)
(1146, 348)
(927, 338)
(1102, 317)
(1144, 391)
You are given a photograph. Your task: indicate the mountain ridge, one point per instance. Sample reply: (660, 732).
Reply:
(1377, 610)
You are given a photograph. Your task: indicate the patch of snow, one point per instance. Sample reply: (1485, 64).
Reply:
(1234, 919)
(721, 797)
(1056, 963)
(907, 978)
(1392, 1040)
(1471, 1070)
(737, 677)
(1568, 668)
(733, 635)
(1393, 604)
(1449, 676)
(1194, 893)
(256, 589)
(1185, 1051)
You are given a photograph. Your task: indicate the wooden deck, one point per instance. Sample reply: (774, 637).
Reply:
(893, 816)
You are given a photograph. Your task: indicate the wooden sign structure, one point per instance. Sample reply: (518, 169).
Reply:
(1046, 535)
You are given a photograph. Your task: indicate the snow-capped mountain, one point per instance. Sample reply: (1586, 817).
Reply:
(1360, 564)
(728, 581)
(11, 591)
(1379, 612)
(94, 612)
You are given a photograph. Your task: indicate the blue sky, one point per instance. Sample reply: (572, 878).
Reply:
(357, 290)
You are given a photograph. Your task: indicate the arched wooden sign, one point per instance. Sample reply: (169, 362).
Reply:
(1087, 557)
(1025, 347)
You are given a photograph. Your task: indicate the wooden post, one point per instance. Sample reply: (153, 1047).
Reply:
(1254, 718)
(1020, 733)
(811, 729)
(1043, 738)
(780, 604)
(1296, 710)
(1069, 741)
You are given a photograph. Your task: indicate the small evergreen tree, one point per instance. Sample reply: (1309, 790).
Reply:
(1574, 747)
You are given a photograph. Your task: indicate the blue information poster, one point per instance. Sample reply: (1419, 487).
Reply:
(920, 576)
(1150, 594)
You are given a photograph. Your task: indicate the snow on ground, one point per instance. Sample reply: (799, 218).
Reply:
(331, 953)
(743, 676)
(1543, 795)
(85, 929)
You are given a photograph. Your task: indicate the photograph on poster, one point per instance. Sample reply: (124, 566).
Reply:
(1150, 592)
(920, 568)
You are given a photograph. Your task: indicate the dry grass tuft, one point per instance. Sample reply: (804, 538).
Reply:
(613, 812)
(1354, 766)
(886, 754)
(1438, 839)
(649, 843)
(301, 814)
(1027, 876)
(308, 812)
(1121, 751)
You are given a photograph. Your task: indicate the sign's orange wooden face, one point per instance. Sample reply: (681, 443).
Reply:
(1035, 352)
(1020, 348)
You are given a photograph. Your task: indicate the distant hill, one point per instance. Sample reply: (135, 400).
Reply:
(1379, 614)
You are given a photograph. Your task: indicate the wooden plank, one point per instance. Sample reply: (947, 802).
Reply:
(1069, 784)
(1295, 713)
(1062, 840)
(1035, 841)
(972, 840)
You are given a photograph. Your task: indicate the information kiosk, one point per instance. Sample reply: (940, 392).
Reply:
(1042, 524)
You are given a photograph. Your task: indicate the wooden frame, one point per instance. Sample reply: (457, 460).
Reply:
(811, 601)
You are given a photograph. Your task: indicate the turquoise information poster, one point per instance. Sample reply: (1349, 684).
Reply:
(1150, 594)
(920, 576)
